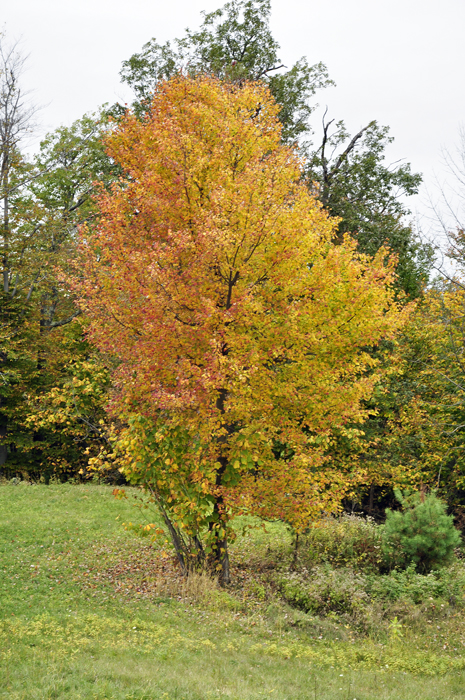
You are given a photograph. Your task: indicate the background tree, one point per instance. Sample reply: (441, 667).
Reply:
(235, 44)
(68, 163)
(212, 275)
(434, 419)
(43, 200)
(67, 410)
(420, 426)
(356, 185)
(415, 433)
(15, 124)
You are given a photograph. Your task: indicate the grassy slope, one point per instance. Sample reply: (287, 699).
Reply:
(88, 611)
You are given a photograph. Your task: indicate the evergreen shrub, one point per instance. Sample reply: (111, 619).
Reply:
(421, 534)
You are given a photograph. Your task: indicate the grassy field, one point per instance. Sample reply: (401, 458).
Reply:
(88, 611)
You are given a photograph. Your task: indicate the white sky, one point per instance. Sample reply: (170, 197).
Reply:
(400, 62)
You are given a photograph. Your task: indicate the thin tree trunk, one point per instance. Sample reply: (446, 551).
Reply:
(296, 552)
(371, 498)
(176, 539)
(220, 558)
(6, 278)
(6, 231)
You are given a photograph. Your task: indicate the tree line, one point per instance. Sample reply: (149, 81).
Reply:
(201, 296)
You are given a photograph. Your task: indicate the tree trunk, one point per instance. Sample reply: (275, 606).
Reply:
(296, 552)
(220, 556)
(6, 223)
(371, 498)
(3, 447)
(219, 560)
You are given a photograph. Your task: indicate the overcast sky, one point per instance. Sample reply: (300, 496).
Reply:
(400, 62)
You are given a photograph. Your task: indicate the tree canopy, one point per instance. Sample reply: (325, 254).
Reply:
(235, 43)
(213, 276)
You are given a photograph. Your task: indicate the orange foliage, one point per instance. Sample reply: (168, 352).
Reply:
(213, 277)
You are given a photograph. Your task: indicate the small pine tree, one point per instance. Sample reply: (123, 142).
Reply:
(421, 534)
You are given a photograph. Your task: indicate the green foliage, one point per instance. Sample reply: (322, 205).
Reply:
(163, 467)
(364, 596)
(234, 43)
(325, 590)
(446, 584)
(338, 573)
(367, 194)
(422, 534)
(345, 541)
(52, 196)
(70, 161)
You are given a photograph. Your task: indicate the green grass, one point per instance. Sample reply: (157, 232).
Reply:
(90, 612)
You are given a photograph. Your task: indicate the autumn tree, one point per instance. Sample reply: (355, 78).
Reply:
(235, 43)
(350, 173)
(238, 324)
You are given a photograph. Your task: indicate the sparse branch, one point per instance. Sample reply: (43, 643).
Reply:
(64, 321)
(343, 156)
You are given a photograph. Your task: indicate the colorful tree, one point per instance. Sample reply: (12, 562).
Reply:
(243, 332)
(356, 185)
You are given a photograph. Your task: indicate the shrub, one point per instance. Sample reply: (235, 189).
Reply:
(443, 584)
(369, 601)
(422, 534)
(349, 540)
(328, 590)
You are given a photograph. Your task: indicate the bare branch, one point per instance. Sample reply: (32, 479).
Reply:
(65, 321)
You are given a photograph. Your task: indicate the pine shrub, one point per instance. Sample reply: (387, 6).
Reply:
(421, 534)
